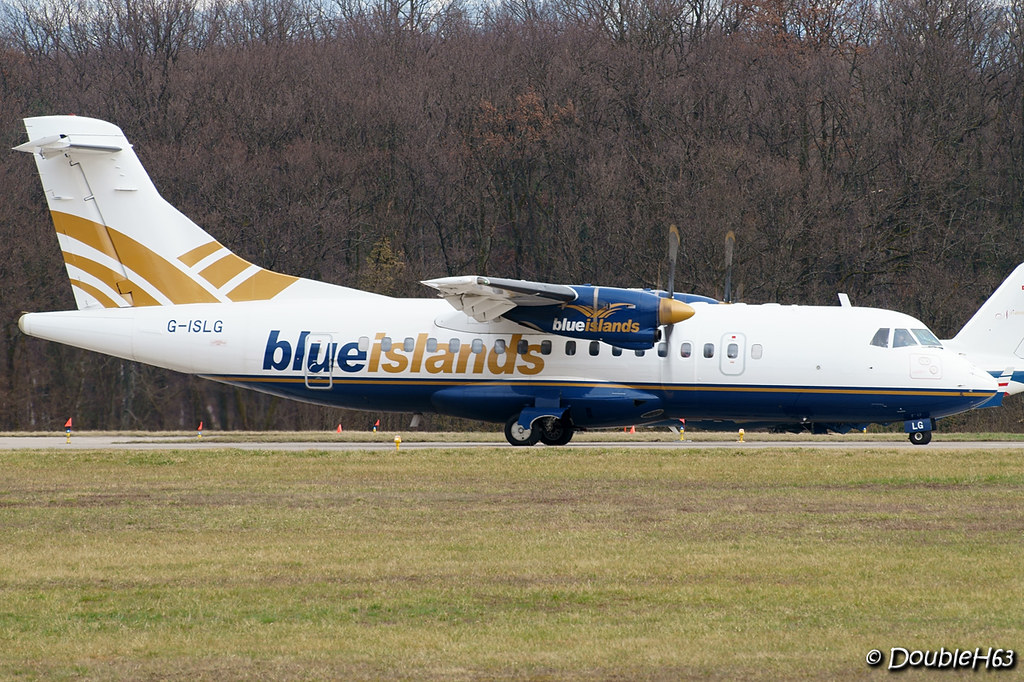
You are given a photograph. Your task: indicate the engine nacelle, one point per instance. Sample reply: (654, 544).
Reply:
(626, 318)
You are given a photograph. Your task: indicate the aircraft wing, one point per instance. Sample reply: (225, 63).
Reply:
(487, 298)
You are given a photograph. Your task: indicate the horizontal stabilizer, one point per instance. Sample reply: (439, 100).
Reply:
(52, 145)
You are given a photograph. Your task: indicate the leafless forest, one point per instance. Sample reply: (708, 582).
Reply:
(873, 148)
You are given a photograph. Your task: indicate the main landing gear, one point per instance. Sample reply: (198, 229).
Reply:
(547, 430)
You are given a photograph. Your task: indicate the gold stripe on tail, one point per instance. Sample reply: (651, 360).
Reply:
(130, 291)
(197, 254)
(262, 286)
(161, 275)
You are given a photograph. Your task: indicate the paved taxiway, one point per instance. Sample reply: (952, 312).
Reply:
(91, 442)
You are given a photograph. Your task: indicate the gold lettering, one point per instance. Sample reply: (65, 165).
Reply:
(399, 360)
(417, 355)
(442, 363)
(533, 359)
(375, 353)
(464, 351)
(478, 363)
(506, 362)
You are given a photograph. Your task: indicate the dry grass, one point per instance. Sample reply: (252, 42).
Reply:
(500, 563)
(642, 435)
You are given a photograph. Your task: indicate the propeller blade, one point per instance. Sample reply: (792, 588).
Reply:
(730, 242)
(673, 255)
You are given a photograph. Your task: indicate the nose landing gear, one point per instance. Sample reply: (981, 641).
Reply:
(920, 437)
(919, 430)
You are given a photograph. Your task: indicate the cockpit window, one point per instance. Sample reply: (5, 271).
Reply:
(927, 338)
(881, 338)
(903, 337)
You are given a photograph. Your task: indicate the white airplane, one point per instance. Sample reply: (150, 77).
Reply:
(544, 359)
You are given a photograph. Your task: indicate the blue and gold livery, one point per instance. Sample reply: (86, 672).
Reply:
(626, 318)
(163, 291)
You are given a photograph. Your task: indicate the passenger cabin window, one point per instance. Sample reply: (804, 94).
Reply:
(454, 345)
(523, 347)
(756, 351)
(616, 351)
(662, 349)
(364, 343)
(709, 350)
(902, 338)
(881, 338)
(732, 351)
(545, 347)
(639, 353)
(478, 346)
(431, 345)
(686, 349)
(385, 344)
(595, 347)
(409, 344)
(927, 338)
(570, 348)
(499, 346)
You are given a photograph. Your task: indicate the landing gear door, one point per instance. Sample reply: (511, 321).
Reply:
(734, 352)
(318, 366)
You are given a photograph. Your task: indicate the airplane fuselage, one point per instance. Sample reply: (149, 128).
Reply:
(766, 364)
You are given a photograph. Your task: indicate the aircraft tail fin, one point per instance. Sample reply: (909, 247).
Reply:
(993, 339)
(123, 244)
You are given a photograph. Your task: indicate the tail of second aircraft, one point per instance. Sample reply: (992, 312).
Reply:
(994, 338)
(123, 244)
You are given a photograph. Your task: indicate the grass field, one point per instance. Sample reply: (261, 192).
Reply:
(530, 564)
(642, 435)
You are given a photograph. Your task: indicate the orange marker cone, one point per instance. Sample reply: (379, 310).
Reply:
(200, 429)
(67, 427)
(632, 429)
(339, 428)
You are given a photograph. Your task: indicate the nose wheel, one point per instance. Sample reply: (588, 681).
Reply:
(921, 437)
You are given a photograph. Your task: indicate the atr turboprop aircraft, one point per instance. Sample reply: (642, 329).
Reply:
(544, 359)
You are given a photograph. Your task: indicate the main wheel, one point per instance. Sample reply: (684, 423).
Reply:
(517, 435)
(921, 437)
(554, 431)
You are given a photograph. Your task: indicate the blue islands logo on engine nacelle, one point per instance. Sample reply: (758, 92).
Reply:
(626, 318)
